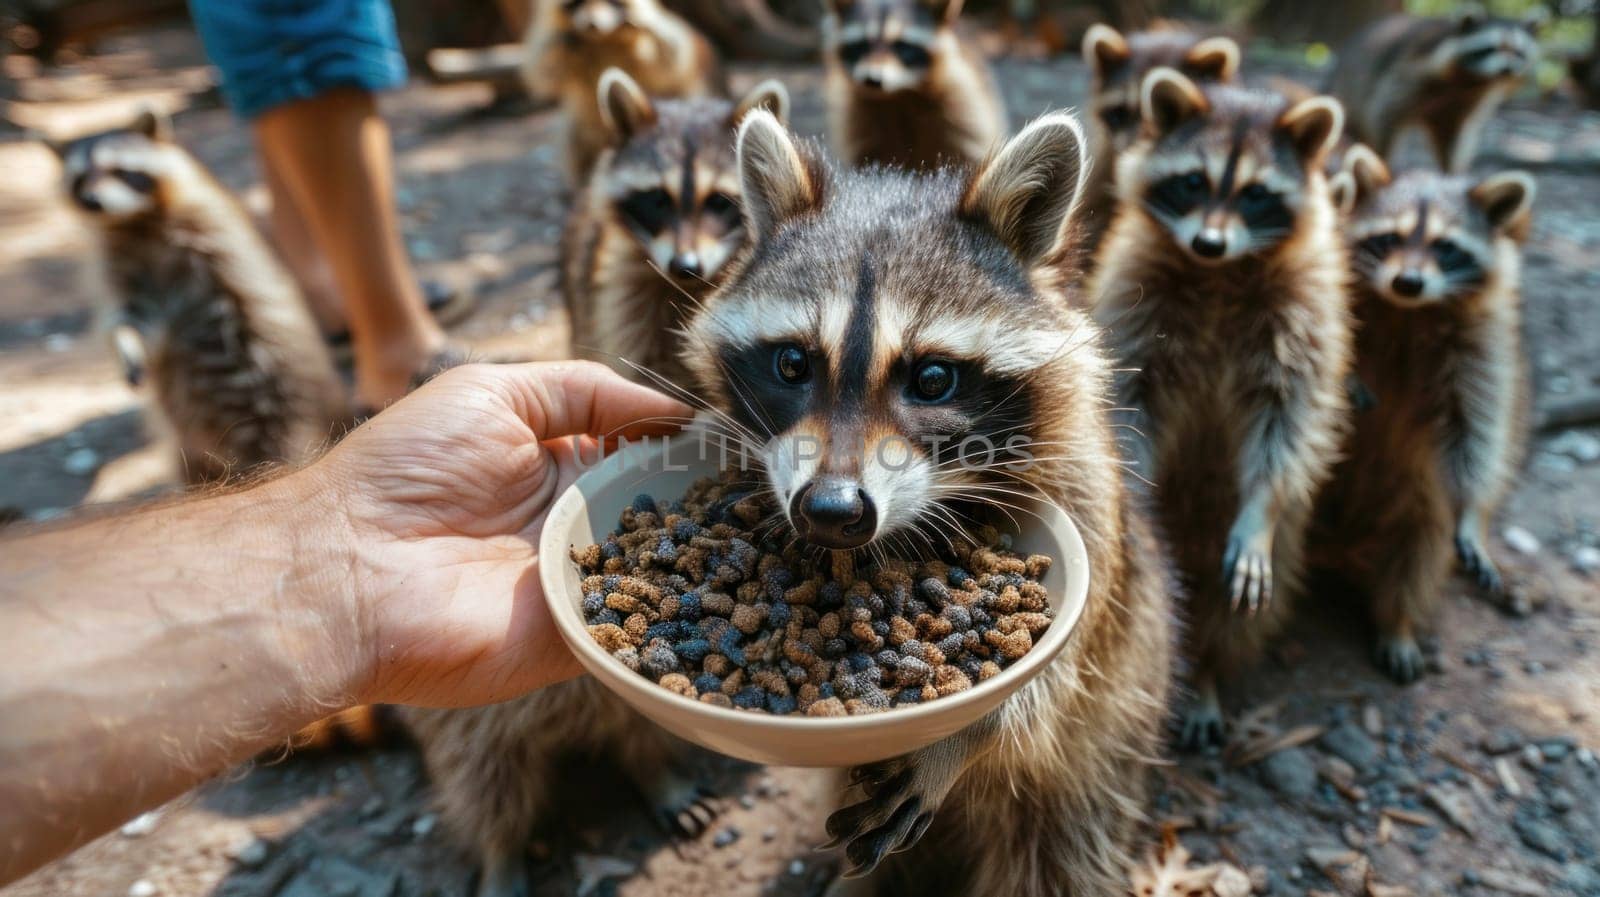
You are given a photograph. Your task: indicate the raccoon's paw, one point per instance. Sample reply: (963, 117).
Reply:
(1247, 570)
(680, 805)
(902, 796)
(1476, 563)
(1202, 726)
(1400, 657)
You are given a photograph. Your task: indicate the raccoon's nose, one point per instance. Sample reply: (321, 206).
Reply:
(1209, 243)
(685, 264)
(873, 80)
(1409, 283)
(834, 512)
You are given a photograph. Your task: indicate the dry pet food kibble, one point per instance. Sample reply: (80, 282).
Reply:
(692, 596)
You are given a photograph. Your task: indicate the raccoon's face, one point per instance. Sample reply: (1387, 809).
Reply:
(1227, 172)
(888, 46)
(671, 181)
(1484, 48)
(1118, 64)
(880, 351)
(118, 175)
(1428, 238)
(593, 18)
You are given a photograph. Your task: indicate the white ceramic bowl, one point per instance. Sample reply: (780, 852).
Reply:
(665, 469)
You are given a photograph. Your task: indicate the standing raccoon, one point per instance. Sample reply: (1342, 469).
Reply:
(200, 307)
(904, 89)
(1117, 66)
(572, 42)
(883, 324)
(652, 233)
(1447, 76)
(1221, 284)
(1436, 262)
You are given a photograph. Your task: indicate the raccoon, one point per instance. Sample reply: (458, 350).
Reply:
(1445, 75)
(1221, 286)
(903, 88)
(653, 231)
(572, 42)
(922, 314)
(198, 306)
(1435, 260)
(1117, 64)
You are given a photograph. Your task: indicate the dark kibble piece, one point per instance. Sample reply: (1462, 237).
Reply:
(751, 698)
(685, 530)
(693, 650)
(907, 697)
(781, 704)
(644, 504)
(689, 606)
(706, 682)
(934, 592)
(959, 577)
(952, 644)
(835, 648)
(888, 658)
(778, 615)
(658, 660)
(666, 551)
(832, 595)
(593, 603)
(825, 689)
(730, 647)
(959, 617)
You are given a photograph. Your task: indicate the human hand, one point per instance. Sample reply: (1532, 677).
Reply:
(442, 497)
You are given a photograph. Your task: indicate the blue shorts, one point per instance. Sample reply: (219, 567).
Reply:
(272, 52)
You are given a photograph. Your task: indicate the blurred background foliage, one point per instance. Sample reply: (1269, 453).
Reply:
(1288, 31)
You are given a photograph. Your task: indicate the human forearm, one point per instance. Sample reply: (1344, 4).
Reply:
(148, 652)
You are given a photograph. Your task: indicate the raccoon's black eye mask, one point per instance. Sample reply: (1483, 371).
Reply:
(650, 211)
(1180, 194)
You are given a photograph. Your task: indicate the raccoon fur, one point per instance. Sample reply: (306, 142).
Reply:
(1117, 65)
(1435, 262)
(1444, 75)
(882, 308)
(199, 309)
(1221, 286)
(572, 42)
(653, 231)
(903, 87)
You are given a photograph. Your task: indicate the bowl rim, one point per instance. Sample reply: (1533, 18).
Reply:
(569, 620)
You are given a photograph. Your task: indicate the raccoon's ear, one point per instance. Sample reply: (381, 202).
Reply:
(1361, 173)
(1342, 191)
(154, 125)
(623, 105)
(770, 95)
(1312, 126)
(1104, 49)
(1216, 58)
(1167, 99)
(1507, 201)
(1470, 17)
(777, 183)
(1026, 192)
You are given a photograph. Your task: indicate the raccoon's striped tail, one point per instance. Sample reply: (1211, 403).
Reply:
(358, 728)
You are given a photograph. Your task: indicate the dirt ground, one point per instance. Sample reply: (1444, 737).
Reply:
(1481, 779)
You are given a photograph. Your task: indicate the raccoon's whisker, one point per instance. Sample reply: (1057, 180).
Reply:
(694, 400)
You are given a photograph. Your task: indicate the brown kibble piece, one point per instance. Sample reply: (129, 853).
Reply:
(625, 604)
(734, 682)
(865, 637)
(901, 631)
(636, 625)
(717, 698)
(747, 618)
(948, 680)
(587, 558)
(1037, 565)
(678, 683)
(827, 707)
(829, 625)
(988, 670)
(610, 637)
(716, 665)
